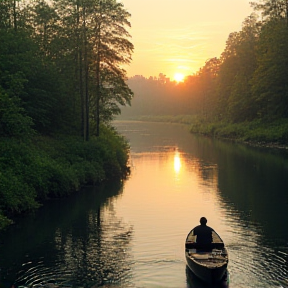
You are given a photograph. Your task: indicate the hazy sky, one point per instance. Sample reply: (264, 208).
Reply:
(178, 36)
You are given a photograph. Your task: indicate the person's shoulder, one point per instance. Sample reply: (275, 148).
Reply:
(196, 227)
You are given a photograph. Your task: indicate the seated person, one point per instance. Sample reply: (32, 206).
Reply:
(204, 234)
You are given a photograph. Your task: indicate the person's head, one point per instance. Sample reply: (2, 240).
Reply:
(203, 221)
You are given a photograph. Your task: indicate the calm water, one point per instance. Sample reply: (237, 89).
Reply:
(132, 234)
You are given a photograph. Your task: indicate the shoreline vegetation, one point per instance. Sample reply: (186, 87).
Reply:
(255, 133)
(44, 167)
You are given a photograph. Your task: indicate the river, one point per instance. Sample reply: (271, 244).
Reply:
(132, 233)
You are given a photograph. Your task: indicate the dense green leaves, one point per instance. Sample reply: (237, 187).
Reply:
(47, 167)
(269, 83)
(49, 55)
(58, 56)
(252, 81)
(13, 120)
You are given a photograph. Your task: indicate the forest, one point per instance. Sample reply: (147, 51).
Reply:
(61, 84)
(243, 94)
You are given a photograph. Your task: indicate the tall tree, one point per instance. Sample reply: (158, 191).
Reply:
(112, 49)
(71, 52)
(240, 107)
(227, 71)
(236, 71)
(10, 14)
(207, 77)
(44, 22)
(269, 82)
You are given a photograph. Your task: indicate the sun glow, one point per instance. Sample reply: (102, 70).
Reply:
(177, 162)
(178, 77)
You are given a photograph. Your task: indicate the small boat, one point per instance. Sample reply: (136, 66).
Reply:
(208, 263)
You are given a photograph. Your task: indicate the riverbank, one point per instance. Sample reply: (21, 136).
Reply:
(46, 167)
(273, 134)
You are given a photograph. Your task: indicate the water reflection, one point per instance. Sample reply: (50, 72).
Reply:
(78, 242)
(194, 282)
(177, 162)
(253, 184)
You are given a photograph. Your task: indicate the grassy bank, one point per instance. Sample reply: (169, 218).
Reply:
(273, 133)
(180, 119)
(265, 133)
(45, 167)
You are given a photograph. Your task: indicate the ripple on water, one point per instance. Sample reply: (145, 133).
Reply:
(253, 264)
(94, 261)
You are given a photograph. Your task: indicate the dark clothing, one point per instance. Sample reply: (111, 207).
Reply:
(204, 234)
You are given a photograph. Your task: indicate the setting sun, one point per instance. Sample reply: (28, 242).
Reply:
(179, 77)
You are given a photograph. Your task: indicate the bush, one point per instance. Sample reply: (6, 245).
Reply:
(255, 131)
(13, 121)
(55, 167)
(15, 194)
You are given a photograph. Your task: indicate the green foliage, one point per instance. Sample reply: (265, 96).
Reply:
(269, 82)
(28, 75)
(13, 120)
(181, 119)
(50, 167)
(4, 221)
(47, 66)
(15, 193)
(256, 131)
(115, 163)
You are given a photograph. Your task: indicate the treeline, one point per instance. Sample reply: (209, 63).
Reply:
(160, 96)
(247, 84)
(61, 63)
(61, 82)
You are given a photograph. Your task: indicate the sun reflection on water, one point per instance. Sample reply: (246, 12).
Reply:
(177, 162)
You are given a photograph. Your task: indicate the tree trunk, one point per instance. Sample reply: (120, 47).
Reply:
(286, 7)
(80, 70)
(98, 91)
(14, 15)
(86, 69)
(98, 95)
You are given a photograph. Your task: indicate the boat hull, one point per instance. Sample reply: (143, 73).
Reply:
(209, 274)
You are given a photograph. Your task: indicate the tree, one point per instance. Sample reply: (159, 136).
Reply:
(70, 56)
(73, 55)
(44, 22)
(240, 107)
(271, 9)
(269, 82)
(236, 70)
(207, 77)
(9, 14)
(112, 49)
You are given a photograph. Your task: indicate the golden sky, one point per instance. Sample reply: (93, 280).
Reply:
(178, 36)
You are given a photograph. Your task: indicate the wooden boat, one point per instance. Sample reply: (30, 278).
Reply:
(208, 263)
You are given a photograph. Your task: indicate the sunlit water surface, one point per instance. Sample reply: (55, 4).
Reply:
(132, 234)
